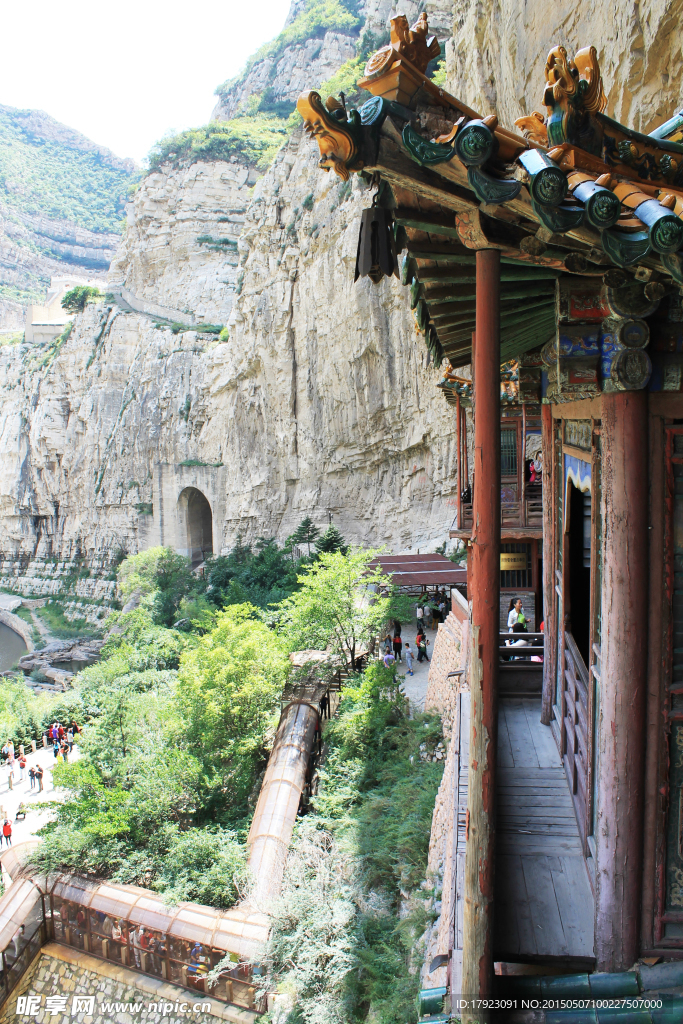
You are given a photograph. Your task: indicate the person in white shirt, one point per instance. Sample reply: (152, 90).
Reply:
(514, 612)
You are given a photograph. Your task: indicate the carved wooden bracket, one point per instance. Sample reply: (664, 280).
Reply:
(339, 139)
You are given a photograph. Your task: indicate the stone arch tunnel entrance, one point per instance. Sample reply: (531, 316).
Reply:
(199, 525)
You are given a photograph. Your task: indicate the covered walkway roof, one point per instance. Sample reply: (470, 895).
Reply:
(420, 570)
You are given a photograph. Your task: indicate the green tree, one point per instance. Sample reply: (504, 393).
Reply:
(76, 300)
(227, 696)
(305, 533)
(336, 605)
(330, 541)
(261, 577)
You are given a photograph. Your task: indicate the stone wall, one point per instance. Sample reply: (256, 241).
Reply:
(65, 975)
(19, 626)
(444, 695)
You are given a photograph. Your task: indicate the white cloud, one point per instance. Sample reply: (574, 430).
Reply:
(125, 73)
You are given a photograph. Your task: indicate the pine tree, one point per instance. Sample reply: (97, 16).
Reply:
(331, 541)
(305, 533)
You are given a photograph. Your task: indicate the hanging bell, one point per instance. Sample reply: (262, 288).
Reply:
(376, 257)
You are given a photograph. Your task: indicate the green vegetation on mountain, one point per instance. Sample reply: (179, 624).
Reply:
(256, 139)
(49, 171)
(317, 18)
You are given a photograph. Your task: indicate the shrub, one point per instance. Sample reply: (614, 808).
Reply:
(346, 928)
(255, 139)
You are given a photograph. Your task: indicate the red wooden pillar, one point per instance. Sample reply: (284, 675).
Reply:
(548, 610)
(621, 721)
(485, 576)
(459, 476)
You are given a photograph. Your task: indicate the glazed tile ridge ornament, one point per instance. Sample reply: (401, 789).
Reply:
(339, 137)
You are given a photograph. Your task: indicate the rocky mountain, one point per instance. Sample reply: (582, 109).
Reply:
(317, 397)
(62, 198)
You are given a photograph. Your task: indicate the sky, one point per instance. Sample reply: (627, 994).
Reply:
(129, 72)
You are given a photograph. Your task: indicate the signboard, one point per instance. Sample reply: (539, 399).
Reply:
(513, 560)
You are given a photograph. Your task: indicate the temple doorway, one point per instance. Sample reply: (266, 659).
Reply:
(199, 525)
(579, 565)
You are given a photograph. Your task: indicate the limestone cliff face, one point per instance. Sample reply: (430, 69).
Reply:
(320, 401)
(281, 74)
(496, 57)
(180, 249)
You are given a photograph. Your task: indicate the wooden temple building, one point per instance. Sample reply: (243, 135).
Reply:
(554, 246)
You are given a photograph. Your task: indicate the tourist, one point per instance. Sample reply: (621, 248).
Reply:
(442, 609)
(18, 940)
(54, 732)
(32, 776)
(421, 642)
(70, 738)
(135, 937)
(64, 750)
(60, 732)
(388, 659)
(387, 644)
(515, 613)
(409, 659)
(7, 831)
(518, 627)
(419, 614)
(427, 615)
(55, 749)
(39, 778)
(22, 767)
(397, 644)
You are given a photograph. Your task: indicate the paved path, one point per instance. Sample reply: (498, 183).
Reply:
(10, 799)
(415, 686)
(41, 627)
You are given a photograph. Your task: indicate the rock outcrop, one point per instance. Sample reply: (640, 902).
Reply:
(497, 53)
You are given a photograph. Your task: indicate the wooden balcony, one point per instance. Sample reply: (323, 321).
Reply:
(519, 519)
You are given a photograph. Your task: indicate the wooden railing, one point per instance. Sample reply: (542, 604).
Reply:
(576, 727)
(533, 646)
(512, 513)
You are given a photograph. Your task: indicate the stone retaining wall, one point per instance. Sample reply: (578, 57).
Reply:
(65, 975)
(443, 695)
(19, 626)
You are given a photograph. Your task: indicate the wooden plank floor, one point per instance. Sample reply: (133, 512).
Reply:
(544, 903)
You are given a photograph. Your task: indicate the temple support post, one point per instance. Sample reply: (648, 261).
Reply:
(485, 576)
(623, 680)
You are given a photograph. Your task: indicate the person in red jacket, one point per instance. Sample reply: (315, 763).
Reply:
(7, 832)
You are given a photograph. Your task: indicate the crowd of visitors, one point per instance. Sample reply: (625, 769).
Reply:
(134, 945)
(428, 613)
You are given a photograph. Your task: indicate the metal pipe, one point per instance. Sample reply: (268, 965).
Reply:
(621, 721)
(278, 803)
(479, 861)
